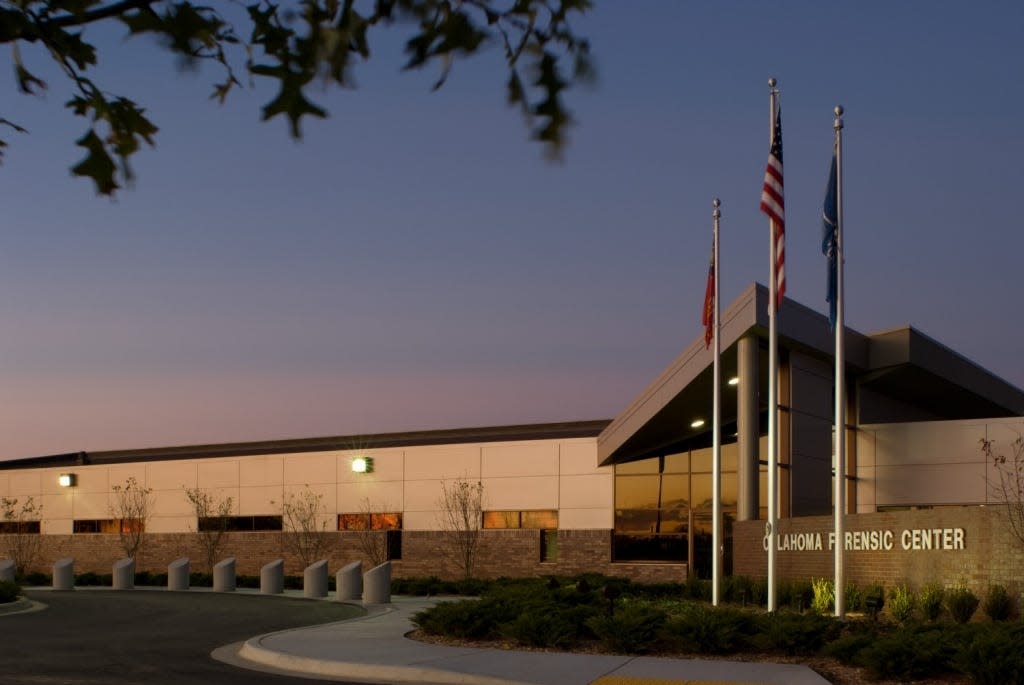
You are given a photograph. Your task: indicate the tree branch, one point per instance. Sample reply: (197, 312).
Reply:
(98, 14)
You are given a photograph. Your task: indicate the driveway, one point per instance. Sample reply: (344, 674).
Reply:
(143, 637)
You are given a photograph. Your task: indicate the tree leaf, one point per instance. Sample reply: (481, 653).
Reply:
(97, 164)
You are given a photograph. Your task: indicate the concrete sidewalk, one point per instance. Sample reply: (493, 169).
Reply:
(373, 648)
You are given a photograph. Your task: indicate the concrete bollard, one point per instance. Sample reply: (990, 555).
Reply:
(377, 584)
(64, 574)
(349, 582)
(272, 578)
(224, 576)
(7, 570)
(314, 579)
(124, 574)
(178, 575)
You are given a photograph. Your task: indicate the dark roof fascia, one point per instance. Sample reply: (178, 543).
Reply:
(516, 433)
(909, 346)
(48, 461)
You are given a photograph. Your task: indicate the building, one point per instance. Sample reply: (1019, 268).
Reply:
(628, 497)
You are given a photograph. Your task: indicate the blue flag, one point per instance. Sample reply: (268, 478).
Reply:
(829, 238)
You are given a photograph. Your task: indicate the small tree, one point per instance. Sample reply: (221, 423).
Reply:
(1008, 485)
(131, 509)
(22, 541)
(304, 527)
(461, 517)
(371, 538)
(211, 521)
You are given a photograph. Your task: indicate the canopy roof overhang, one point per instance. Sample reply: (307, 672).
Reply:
(901, 364)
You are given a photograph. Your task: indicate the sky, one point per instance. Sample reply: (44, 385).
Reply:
(414, 262)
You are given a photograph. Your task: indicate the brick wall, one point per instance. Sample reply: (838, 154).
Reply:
(990, 554)
(513, 553)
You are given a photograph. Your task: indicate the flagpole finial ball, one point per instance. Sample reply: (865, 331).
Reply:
(716, 203)
(772, 82)
(838, 110)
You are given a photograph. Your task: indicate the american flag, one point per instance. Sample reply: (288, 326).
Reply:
(774, 205)
(708, 317)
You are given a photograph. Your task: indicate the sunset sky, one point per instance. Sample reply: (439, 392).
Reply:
(415, 263)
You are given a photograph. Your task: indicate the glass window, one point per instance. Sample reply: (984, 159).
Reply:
(107, 525)
(546, 518)
(548, 545)
(365, 521)
(664, 548)
(642, 466)
(700, 490)
(501, 519)
(730, 456)
(637, 492)
(636, 520)
(700, 460)
(19, 527)
(675, 491)
(677, 463)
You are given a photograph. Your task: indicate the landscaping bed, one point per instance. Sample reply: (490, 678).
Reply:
(594, 614)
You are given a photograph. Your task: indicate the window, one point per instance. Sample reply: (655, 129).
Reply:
(548, 545)
(240, 523)
(19, 527)
(544, 518)
(369, 525)
(108, 526)
(365, 521)
(661, 503)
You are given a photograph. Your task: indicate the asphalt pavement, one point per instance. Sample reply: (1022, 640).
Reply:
(156, 637)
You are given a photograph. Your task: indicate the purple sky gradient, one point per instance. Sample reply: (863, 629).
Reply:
(414, 262)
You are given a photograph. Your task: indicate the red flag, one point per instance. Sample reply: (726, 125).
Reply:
(773, 204)
(708, 318)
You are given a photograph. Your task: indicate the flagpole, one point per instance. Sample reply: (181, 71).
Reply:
(716, 450)
(840, 430)
(773, 388)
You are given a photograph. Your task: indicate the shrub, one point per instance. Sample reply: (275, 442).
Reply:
(759, 592)
(929, 599)
(854, 598)
(796, 594)
(998, 605)
(901, 603)
(423, 587)
(993, 655)
(469, 619)
(8, 591)
(632, 629)
(961, 604)
(698, 589)
(908, 654)
(847, 649)
(708, 630)
(89, 578)
(37, 578)
(824, 598)
(796, 634)
(874, 599)
(160, 579)
(200, 579)
(560, 629)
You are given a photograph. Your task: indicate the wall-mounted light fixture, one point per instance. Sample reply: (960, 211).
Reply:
(362, 464)
(67, 480)
(697, 423)
(735, 380)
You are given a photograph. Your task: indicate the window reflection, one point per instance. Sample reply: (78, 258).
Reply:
(658, 500)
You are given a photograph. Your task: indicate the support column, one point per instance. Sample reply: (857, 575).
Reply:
(748, 429)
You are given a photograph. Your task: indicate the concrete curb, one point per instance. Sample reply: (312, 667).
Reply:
(252, 650)
(22, 605)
